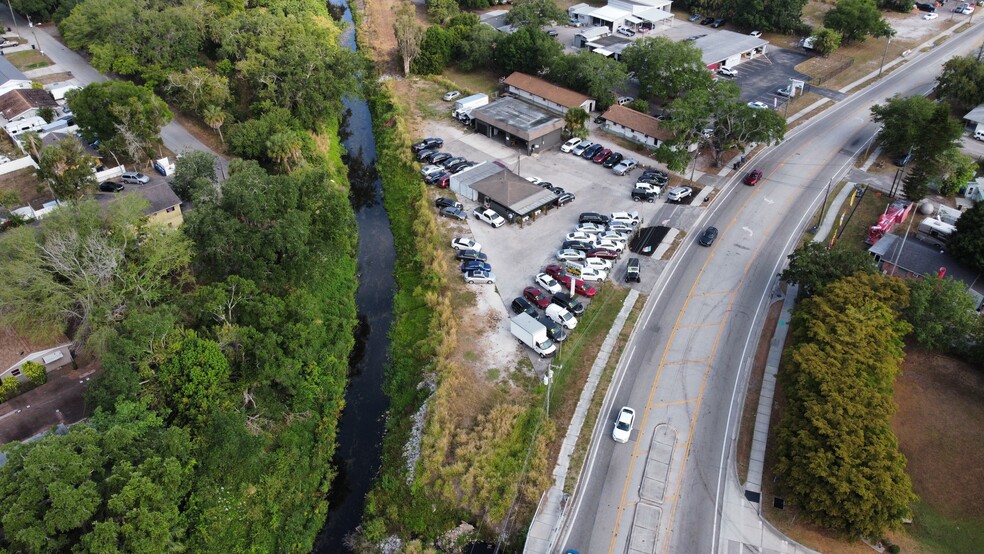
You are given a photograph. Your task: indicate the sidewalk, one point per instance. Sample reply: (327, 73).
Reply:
(549, 514)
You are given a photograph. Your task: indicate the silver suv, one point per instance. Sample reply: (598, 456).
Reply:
(677, 194)
(135, 178)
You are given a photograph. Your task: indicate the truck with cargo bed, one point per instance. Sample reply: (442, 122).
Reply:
(532, 333)
(464, 106)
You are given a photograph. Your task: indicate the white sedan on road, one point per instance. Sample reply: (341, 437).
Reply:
(490, 217)
(623, 425)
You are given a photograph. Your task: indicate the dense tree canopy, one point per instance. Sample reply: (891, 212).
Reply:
(813, 266)
(665, 68)
(591, 74)
(68, 169)
(534, 13)
(856, 20)
(825, 41)
(529, 50)
(837, 455)
(941, 313)
(967, 243)
(961, 83)
(902, 120)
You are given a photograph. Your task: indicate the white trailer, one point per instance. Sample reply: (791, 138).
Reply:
(532, 333)
(464, 106)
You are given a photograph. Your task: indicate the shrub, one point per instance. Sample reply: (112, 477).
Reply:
(9, 388)
(35, 372)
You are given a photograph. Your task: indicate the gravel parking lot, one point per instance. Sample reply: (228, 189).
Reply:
(517, 253)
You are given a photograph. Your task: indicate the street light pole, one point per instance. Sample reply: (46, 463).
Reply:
(36, 43)
(13, 20)
(884, 55)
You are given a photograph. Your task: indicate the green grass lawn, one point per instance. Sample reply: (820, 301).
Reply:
(28, 60)
(872, 205)
(944, 535)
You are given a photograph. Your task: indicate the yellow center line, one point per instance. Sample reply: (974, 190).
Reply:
(685, 362)
(674, 403)
(699, 325)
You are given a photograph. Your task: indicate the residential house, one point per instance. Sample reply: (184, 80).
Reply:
(11, 78)
(635, 126)
(16, 350)
(550, 96)
(165, 206)
(24, 103)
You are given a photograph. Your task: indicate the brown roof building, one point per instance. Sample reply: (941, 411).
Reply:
(550, 96)
(24, 102)
(635, 126)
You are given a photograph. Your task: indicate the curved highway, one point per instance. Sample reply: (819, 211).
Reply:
(686, 366)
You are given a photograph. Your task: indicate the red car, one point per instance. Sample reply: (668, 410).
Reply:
(536, 296)
(601, 156)
(554, 270)
(603, 253)
(580, 287)
(754, 177)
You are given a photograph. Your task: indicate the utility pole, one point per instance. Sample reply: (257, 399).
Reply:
(884, 55)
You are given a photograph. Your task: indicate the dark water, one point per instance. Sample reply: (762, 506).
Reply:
(360, 429)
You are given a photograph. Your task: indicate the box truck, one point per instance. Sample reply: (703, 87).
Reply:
(464, 106)
(532, 333)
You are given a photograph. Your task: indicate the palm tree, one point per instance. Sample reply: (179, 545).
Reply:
(214, 117)
(285, 148)
(32, 141)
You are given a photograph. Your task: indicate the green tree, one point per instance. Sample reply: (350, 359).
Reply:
(574, 121)
(194, 176)
(197, 89)
(38, 10)
(967, 243)
(591, 74)
(477, 48)
(955, 169)
(837, 456)
(529, 50)
(961, 83)
(441, 11)
(435, 51)
(666, 69)
(941, 313)
(35, 372)
(915, 184)
(409, 35)
(286, 149)
(826, 41)
(215, 117)
(47, 113)
(120, 111)
(193, 378)
(9, 388)
(902, 121)
(813, 267)
(32, 141)
(68, 169)
(856, 20)
(766, 15)
(534, 13)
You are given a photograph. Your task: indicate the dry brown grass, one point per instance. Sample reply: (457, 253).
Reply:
(53, 78)
(25, 184)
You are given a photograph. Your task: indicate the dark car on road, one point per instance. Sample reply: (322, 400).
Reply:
(613, 160)
(707, 238)
(445, 202)
(463, 255)
(536, 296)
(565, 301)
(753, 177)
(430, 142)
(454, 213)
(111, 186)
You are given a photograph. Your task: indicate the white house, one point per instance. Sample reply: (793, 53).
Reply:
(550, 96)
(635, 126)
(11, 78)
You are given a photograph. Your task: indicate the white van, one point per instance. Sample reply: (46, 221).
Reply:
(979, 134)
(561, 316)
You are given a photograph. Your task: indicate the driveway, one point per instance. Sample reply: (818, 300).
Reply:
(176, 138)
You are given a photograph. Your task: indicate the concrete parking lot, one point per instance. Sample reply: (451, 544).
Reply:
(517, 253)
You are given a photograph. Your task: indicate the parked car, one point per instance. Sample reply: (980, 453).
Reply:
(625, 31)
(931, 16)
(489, 216)
(446, 202)
(602, 253)
(623, 100)
(707, 238)
(629, 218)
(520, 305)
(134, 178)
(570, 255)
(755, 34)
(454, 213)
(581, 237)
(592, 274)
(534, 180)
(613, 160)
(440, 158)
(459, 167)
(903, 160)
(565, 198)
(677, 194)
(615, 236)
(786, 91)
(464, 243)
(111, 186)
(449, 96)
(569, 303)
(707, 21)
(554, 331)
(620, 227)
(429, 170)
(597, 263)
(632, 272)
(472, 277)
(590, 151)
(463, 255)
(624, 167)
(474, 265)
(644, 195)
(426, 154)
(580, 287)
(719, 22)
(610, 245)
(561, 316)
(758, 105)
(536, 296)
(601, 155)
(547, 283)
(554, 270)
(577, 245)
(925, 7)
(428, 143)
(581, 147)
(623, 425)
(727, 72)
(753, 177)
(451, 161)
(553, 33)
(570, 144)
(589, 227)
(694, 17)
(439, 176)
(592, 217)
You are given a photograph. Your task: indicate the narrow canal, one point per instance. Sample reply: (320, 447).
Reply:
(360, 429)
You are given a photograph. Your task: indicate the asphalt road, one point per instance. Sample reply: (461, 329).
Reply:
(685, 367)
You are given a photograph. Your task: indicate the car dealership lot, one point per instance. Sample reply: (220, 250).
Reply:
(518, 253)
